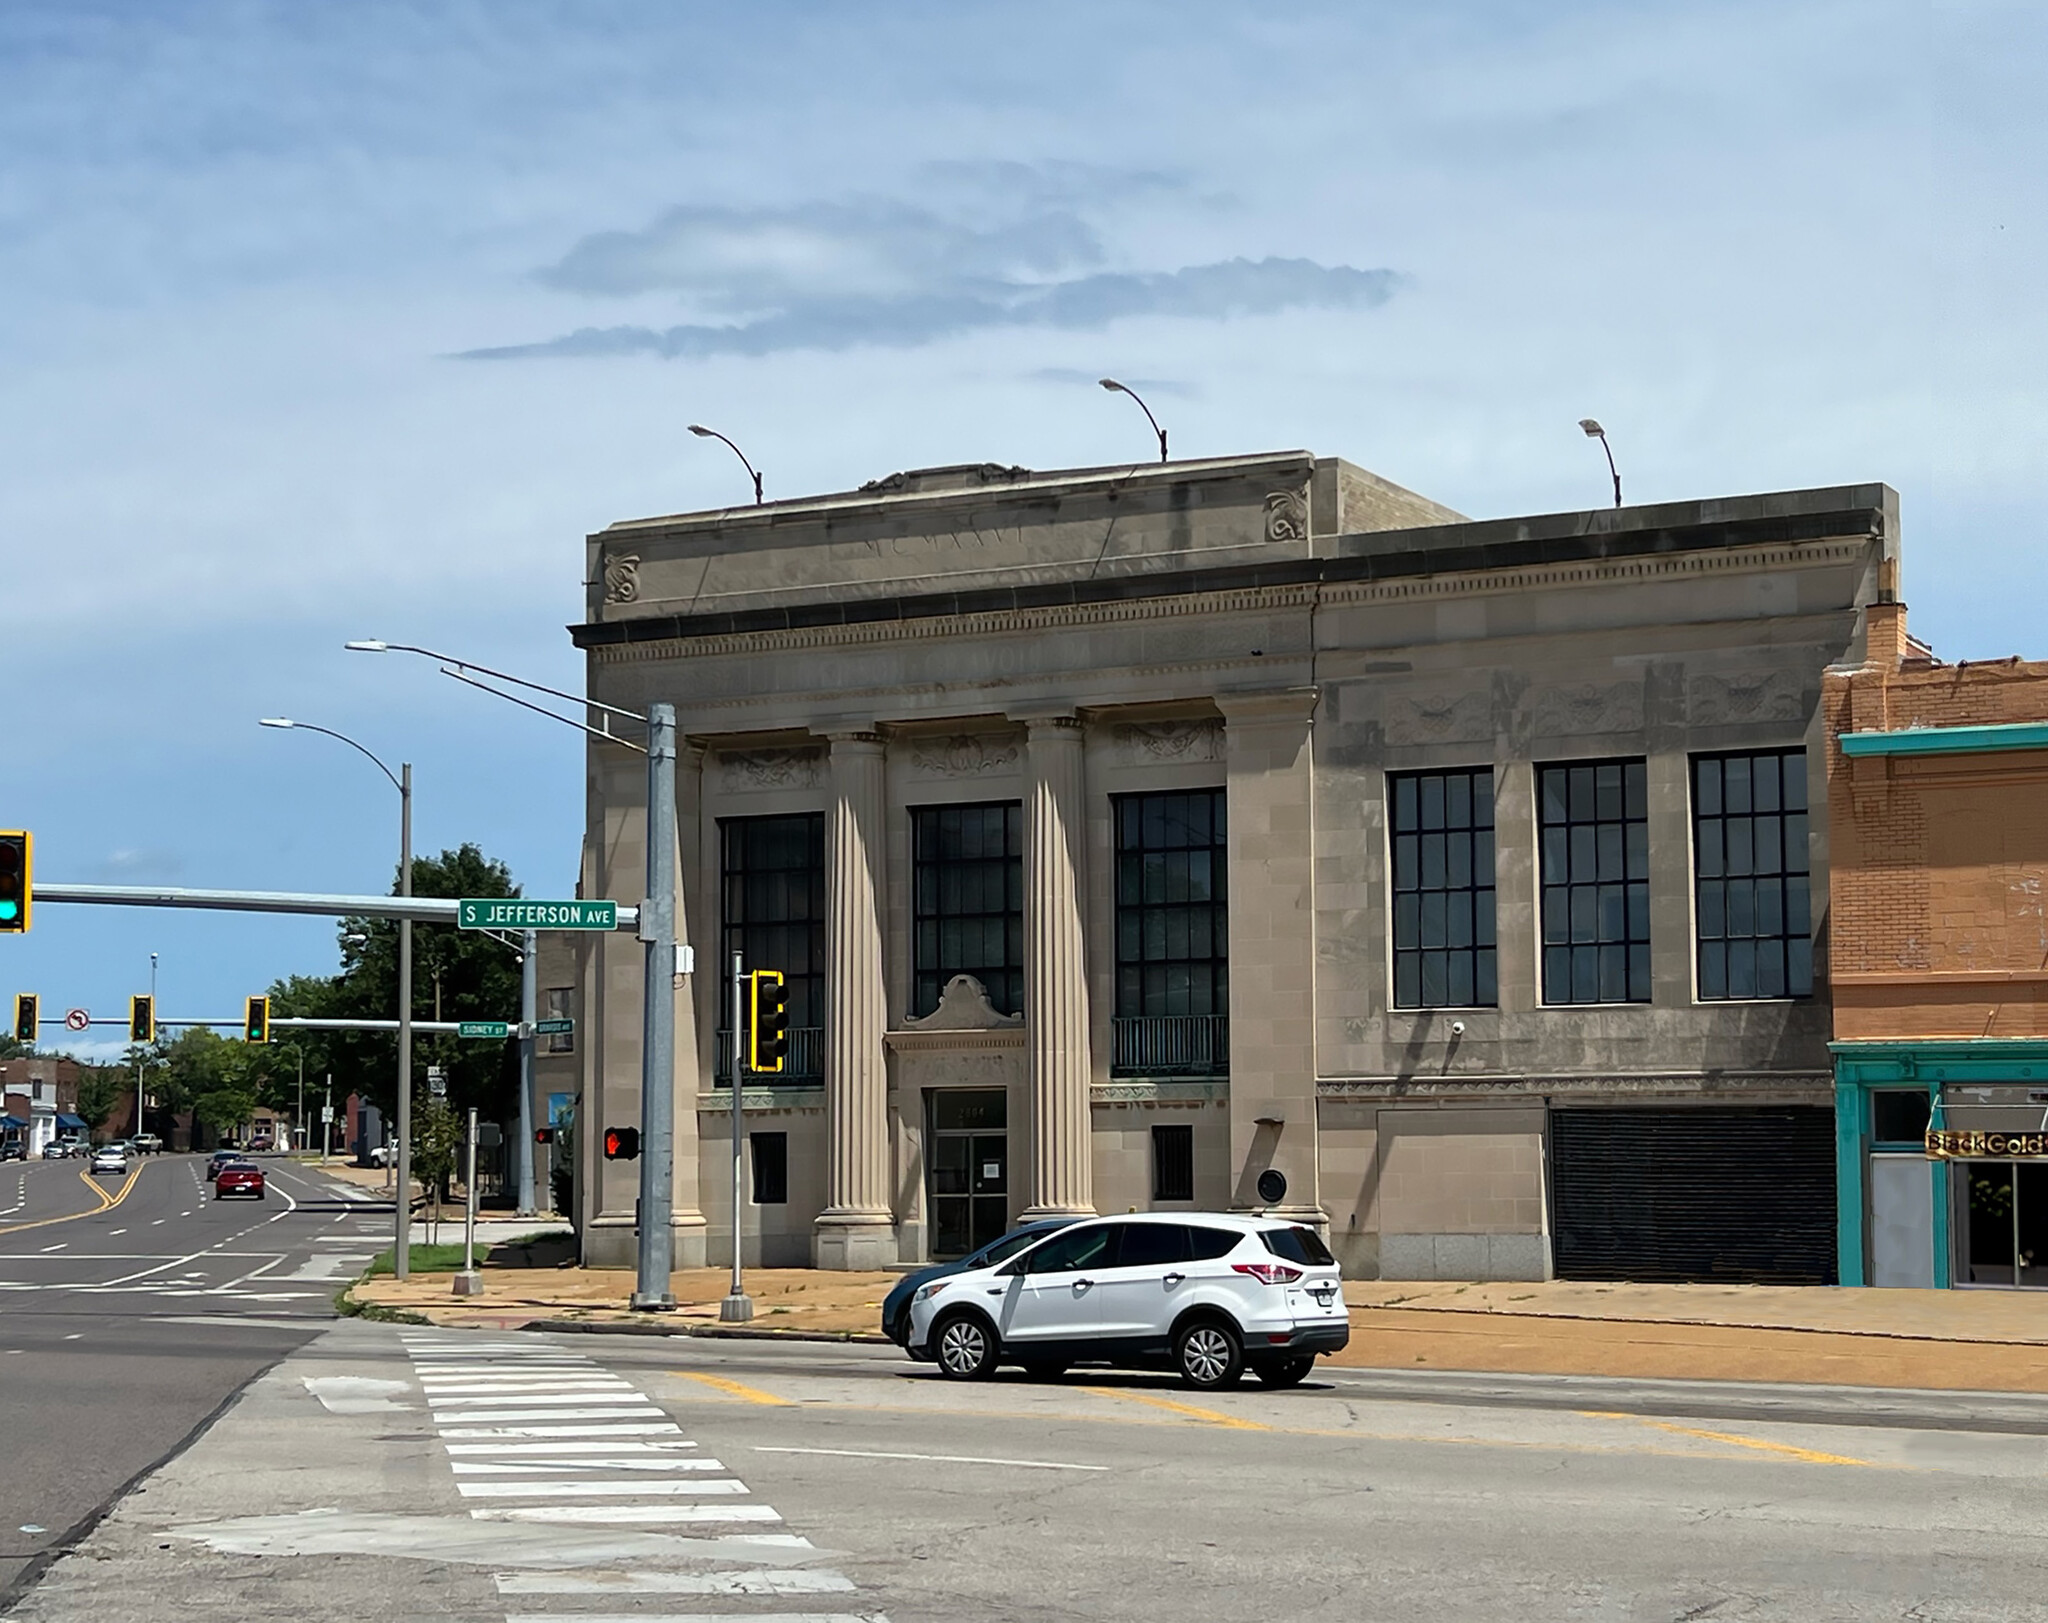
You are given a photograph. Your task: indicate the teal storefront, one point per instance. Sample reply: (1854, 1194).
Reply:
(1974, 1218)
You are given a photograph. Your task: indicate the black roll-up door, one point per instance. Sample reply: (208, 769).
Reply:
(1694, 1195)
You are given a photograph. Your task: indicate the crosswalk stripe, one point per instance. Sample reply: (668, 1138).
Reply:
(647, 1515)
(653, 1449)
(705, 1617)
(534, 1467)
(755, 1581)
(564, 1489)
(620, 1429)
(468, 1416)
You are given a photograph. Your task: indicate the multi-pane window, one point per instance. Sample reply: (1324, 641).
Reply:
(1754, 912)
(1443, 889)
(773, 878)
(1594, 819)
(771, 1168)
(1172, 935)
(969, 901)
(1173, 1162)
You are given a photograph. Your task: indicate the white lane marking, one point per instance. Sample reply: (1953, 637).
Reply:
(706, 1617)
(157, 1222)
(630, 1515)
(112, 1232)
(75, 1335)
(758, 1581)
(654, 1450)
(557, 1466)
(544, 1414)
(596, 1490)
(535, 1381)
(536, 1400)
(936, 1459)
(59, 1246)
(643, 1428)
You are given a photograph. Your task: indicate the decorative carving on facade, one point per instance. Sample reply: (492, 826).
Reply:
(1287, 516)
(1589, 707)
(1200, 740)
(771, 769)
(1764, 696)
(1158, 1093)
(965, 755)
(622, 577)
(1694, 1084)
(964, 1006)
(1441, 718)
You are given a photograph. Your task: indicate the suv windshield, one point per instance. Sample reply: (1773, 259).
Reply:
(1304, 1246)
(1007, 1247)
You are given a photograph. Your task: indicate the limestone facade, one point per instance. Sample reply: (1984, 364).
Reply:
(1281, 635)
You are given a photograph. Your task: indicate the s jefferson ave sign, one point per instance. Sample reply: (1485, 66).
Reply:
(515, 913)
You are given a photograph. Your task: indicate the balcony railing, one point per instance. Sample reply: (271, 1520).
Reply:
(802, 1066)
(1194, 1045)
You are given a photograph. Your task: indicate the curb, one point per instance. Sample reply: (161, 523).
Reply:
(1706, 1324)
(728, 1332)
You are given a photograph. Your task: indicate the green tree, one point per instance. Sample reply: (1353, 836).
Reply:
(12, 1047)
(101, 1088)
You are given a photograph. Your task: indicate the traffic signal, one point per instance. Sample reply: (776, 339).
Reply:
(17, 879)
(256, 1022)
(27, 1015)
(142, 1019)
(768, 1020)
(543, 1135)
(622, 1143)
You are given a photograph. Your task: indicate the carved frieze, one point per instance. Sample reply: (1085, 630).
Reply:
(621, 577)
(1441, 718)
(1589, 707)
(966, 755)
(1287, 516)
(771, 769)
(964, 1006)
(1199, 740)
(1758, 696)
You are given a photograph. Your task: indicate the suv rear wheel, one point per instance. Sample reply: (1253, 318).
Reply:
(1209, 1354)
(964, 1347)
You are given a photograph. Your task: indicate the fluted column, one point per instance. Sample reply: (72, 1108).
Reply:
(855, 1230)
(1055, 972)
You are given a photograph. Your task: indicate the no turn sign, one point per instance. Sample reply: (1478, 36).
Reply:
(77, 1019)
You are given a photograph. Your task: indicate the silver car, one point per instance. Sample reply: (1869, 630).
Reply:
(114, 1158)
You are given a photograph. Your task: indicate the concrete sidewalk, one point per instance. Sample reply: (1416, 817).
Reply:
(1942, 1340)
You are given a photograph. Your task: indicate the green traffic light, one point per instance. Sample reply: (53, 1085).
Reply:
(10, 910)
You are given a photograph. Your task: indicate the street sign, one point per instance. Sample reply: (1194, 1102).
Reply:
(327, 1113)
(553, 1028)
(483, 1028)
(77, 1019)
(516, 913)
(437, 1081)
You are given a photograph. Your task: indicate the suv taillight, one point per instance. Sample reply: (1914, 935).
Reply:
(1267, 1273)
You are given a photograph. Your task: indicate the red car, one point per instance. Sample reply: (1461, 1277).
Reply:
(238, 1178)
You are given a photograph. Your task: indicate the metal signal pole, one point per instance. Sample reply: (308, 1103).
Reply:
(737, 1307)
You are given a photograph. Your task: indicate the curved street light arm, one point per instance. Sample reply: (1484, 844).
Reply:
(704, 433)
(374, 646)
(1124, 388)
(308, 727)
(542, 710)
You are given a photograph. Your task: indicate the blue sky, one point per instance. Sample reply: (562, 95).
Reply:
(343, 321)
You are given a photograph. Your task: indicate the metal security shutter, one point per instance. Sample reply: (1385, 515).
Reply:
(1694, 1195)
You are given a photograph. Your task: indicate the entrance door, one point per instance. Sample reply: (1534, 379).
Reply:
(967, 1152)
(1991, 1235)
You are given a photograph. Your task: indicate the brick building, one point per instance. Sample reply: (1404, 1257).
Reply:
(1939, 962)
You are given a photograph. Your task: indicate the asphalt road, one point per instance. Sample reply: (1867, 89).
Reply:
(131, 1310)
(520, 1477)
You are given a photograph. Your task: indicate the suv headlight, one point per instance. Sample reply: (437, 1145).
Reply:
(925, 1293)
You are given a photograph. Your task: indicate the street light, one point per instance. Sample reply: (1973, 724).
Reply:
(656, 1259)
(1594, 431)
(401, 1250)
(1115, 387)
(704, 433)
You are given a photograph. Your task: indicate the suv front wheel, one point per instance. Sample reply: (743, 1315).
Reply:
(964, 1347)
(1209, 1354)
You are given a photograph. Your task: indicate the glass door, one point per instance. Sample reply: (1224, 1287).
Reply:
(967, 1152)
(2030, 1222)
(1990, 1242)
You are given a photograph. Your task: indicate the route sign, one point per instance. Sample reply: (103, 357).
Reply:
(517, 913)
(77, 1019)
(553, 1028)
(483, 1028)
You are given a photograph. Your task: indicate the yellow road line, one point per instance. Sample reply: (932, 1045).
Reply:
(1812, 1456)
(106, 1204)
(1214, 1417)
(733, 1389)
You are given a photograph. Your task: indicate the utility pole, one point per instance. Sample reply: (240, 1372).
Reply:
(401, 1250)
(529, 1000)
(658, 1021)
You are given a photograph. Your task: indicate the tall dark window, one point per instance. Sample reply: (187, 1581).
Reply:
(771, 1168)
(773, 873)
(1596, 882)
(1754, 914)
(1172, 935)
(1173, 1163)
(1443, 889)
(970, 901)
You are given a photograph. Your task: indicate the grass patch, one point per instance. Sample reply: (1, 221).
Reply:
(424, 1259)
(545, 1250)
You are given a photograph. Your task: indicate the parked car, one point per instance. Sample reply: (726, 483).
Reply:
(13, 1150)
(384, 1154)
(896, 1305)
(110, 1158)
(1205, 1294)
(221, 1157)
(238, 1178)
(147, 1144)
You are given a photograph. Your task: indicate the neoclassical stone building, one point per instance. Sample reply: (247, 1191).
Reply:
(1128, 833)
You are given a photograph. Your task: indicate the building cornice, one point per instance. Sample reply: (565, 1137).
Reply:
(1674, 1084)
(2015, 735)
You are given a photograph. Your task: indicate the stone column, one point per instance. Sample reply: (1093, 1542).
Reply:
(1055, 971)
(855, 1230)
(1269, 777)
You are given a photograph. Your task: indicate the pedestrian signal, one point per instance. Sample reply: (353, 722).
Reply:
(622, 1143)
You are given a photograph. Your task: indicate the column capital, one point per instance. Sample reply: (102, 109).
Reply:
(1270, 705)
(1050, 721)
(854, 740)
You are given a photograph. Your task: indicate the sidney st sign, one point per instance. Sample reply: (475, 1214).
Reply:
(516, 913)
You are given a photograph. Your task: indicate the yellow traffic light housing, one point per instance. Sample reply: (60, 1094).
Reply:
(27, 1016)
(142, 1019)
(767, 1020)
(17, 879)
(256, 1022)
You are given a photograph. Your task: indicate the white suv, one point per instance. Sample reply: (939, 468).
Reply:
(1204, 1294)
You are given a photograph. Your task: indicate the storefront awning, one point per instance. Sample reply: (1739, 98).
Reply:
(76, 1122)
(13, 1124)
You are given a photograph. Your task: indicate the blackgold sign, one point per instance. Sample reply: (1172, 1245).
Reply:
(1943, 1145)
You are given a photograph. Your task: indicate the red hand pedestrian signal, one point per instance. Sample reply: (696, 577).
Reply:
(622, 1143)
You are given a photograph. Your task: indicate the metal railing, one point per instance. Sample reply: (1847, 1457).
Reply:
(1196, 1045)
(803, 1065)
